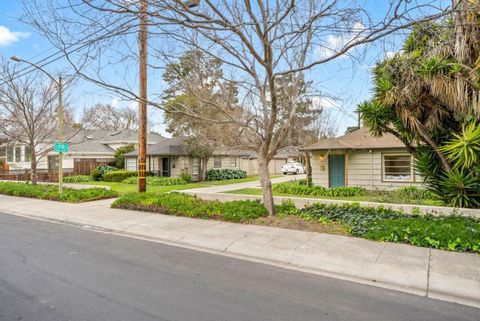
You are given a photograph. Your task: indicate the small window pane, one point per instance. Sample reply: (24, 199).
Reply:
(196, 166)
(233, 161)
(3, 151)
(10, 154)
(217, 162)
(28, 154)
(18, 154)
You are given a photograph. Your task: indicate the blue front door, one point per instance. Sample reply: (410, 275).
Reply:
(336, 170)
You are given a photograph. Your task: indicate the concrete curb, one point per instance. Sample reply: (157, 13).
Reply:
(440, 291)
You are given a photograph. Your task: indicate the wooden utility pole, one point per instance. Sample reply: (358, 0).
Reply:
(142, 128)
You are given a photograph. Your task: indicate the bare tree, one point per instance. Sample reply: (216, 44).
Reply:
(258, 43)
(28, 113)
(107, 117)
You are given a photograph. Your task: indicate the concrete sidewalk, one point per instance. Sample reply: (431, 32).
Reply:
(436, 274)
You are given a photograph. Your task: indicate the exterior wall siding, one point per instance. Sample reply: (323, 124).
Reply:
(363, 169)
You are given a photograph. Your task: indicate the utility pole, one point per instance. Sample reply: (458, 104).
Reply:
(60, 135)
(142, 128)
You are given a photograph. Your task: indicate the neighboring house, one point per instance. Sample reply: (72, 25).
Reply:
(359, 159)
(170, 158)
(86, 148)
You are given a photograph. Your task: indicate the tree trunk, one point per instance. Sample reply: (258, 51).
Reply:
(33, 167)
(308, 168)
(426, 136)
(266, 184)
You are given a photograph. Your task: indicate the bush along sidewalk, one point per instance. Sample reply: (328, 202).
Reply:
(50, 192)
(225, 174)
(157, 181)
(452, 233)
(190, 206)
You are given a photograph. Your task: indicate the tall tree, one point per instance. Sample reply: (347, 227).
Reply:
(195, 85)
(28, 113)
(107, 117)
(259, 42)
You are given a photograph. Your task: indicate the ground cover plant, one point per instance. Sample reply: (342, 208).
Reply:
(157, 181)
(404, 195)
(190, 206)
(77, 179)
(50, 192)
(453, 233)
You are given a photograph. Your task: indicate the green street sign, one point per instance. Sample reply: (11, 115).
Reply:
(61, 148)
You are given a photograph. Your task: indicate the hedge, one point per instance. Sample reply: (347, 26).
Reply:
(299, 188)
(118, 176)
(157, 181)
(225, 174)
(50, 192)
(97, 173)
(77, 179)
(190, 206)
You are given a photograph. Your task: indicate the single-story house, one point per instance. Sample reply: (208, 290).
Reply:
(86, 149)
(360, 159)
(170, 158)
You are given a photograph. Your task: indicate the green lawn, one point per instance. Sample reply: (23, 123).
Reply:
(236, 181)
(129, 188)
(373, 198)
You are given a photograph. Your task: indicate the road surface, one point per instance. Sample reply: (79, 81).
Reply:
(52, 272)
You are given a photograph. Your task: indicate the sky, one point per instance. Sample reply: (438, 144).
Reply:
(344, 82)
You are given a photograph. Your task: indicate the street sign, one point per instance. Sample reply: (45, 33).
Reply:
(61, 148)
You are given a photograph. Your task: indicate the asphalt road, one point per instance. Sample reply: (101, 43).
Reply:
(52, 272)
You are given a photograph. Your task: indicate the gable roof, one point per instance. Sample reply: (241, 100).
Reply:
(358, 139)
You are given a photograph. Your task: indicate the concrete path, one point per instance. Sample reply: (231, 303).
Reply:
(230, 187)
(436, 274)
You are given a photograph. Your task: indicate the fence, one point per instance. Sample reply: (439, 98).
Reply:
(42, 175)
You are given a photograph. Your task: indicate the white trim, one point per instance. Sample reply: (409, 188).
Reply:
(412, 172)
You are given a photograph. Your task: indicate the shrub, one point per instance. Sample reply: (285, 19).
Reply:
(118, 176)
(77, 179)
(97, 173)
(119, 155)
(225, 174)
(379, 223)
(50, 192)
(157, 181)
(190, 206)
(299, 188)
(186, 177)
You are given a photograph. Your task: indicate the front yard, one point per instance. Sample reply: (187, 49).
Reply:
(452, 233)
(407, 195)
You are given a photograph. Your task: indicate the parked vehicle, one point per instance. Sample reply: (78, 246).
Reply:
(293, 167)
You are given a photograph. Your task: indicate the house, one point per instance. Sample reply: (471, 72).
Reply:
(360, 159)
(170, 158)
(87, 148)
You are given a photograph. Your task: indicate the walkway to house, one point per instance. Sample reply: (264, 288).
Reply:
(437, 274)
(229, 187)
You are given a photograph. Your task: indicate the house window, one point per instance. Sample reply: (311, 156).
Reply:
(10, 154)
(233, 161)
(217, 162)
(28, 154)
(397, 168)
(53, 162)
(3, 152)
(196, 166)
(18, 154)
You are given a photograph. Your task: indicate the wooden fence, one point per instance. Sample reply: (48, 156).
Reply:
(42, 175)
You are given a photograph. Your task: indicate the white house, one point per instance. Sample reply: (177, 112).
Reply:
(86, 149)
